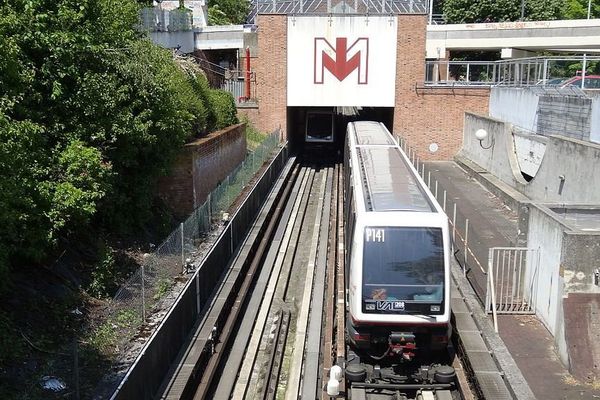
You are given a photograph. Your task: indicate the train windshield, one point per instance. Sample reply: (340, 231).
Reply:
(402, 265)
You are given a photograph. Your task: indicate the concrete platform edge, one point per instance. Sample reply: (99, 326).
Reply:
(509, 196)
(513, 376)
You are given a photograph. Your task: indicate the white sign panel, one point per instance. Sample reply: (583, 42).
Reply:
(341, 61)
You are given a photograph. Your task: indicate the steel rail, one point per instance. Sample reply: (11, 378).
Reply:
(249, 339)
(327, 349)
(293, 386)
(269, 388)
(312, 372)
(203, 389)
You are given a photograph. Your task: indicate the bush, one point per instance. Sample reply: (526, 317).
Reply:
(105, 275)
(222, 105)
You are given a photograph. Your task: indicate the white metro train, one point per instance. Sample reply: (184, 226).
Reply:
(397, 250)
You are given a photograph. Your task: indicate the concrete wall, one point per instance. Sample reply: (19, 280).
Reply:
(499, 156)
(567, 301)
(545, 234)
(183, 40)
(530, 151)
(595, 121)
(557, 180)
(201, 165)
(564, 115)
(515, 105)
(548, 112)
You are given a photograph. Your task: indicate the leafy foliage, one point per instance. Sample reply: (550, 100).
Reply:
(577, 9)
(91, 114)
(228, 12)
(223, 106)
(468, 11)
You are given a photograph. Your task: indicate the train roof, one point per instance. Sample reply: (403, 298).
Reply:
(389, 184)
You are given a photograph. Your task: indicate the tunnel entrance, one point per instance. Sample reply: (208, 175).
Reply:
(323, 129)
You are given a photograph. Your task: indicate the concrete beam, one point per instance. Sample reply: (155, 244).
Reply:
(570, 35)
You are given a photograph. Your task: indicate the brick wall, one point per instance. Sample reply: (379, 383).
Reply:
(425, 115)
(271, 74)
(201, 165)
(422, 115)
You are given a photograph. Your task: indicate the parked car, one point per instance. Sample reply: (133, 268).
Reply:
(555, 81)
(591, 82)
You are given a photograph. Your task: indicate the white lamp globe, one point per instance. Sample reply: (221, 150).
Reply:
(481, 134)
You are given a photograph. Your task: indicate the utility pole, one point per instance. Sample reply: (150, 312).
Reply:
(522, 10)
(585, 54)
(430, 12)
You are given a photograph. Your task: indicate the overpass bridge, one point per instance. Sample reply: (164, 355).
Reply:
(515, 39)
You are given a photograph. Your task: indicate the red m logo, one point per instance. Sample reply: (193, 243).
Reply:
(347, 59)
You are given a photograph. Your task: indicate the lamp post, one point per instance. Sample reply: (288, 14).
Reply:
(430, 12)
(522, 10)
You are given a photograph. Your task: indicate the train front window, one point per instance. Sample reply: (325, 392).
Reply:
(402, 266)
(319, 126)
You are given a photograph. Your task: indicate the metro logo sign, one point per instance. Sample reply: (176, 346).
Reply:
(347, 59)
(341, 61)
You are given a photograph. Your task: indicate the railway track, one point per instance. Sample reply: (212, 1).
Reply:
(282, 318)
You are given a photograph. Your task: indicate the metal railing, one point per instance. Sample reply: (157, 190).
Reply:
(154, 19)
(235, 83)
(535, 71)
(230, 80)
(337, 7)
(510, 289)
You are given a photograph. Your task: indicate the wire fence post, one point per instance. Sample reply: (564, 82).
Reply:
(429, 179)
(182, 250)
(466, 245)
(436, 189)
(227, 190)
(423, 171)
(76, 368)
(143, 295)
(209, 203)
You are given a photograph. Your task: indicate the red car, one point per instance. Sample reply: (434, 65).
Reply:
(591, 82)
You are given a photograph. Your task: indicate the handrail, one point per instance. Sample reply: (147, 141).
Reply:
(492, 289)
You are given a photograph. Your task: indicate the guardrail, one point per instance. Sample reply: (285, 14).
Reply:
(534, 71)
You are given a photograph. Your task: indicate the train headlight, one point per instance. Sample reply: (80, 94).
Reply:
(435, 308)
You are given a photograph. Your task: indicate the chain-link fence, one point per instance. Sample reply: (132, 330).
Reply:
(163, 269)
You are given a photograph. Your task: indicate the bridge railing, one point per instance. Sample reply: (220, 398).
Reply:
(154, 19)
(534, 71)
(337, 7)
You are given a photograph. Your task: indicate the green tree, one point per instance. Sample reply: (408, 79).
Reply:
(91, 114)
(577, 9)
(469, 11)
(228, 12)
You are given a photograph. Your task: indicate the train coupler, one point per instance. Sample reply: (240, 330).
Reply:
(402, 344)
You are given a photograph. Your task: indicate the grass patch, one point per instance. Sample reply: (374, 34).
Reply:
(253, 136)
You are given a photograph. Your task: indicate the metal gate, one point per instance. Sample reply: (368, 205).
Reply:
(511, 280)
